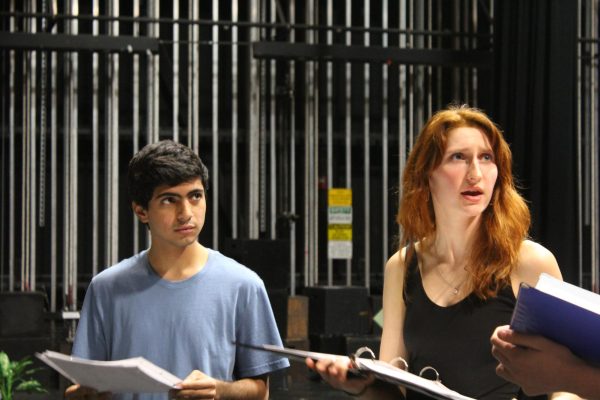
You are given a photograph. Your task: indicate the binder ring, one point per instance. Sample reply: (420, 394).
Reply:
(363, 350)
(399, 360)
(427, 368)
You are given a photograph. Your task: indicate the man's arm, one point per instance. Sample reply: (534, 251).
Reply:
(201, 386)
(541, 366)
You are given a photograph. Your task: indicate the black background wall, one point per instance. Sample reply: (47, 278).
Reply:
(535, 102)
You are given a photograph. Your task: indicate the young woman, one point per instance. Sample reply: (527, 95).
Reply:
(464, 251)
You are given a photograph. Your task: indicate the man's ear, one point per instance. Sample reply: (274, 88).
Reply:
(140, 211)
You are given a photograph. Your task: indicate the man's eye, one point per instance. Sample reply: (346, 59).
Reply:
(167, 200)
(197, 196)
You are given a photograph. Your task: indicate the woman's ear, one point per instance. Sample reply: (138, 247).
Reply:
(141, 212)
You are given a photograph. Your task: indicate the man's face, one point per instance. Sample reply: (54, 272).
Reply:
(175, 214)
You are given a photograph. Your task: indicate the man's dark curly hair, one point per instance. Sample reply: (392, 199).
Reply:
(163, 163)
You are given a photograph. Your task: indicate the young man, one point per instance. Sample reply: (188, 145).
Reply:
(179, 304)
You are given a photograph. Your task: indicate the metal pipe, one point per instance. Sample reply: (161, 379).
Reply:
(196, 80)
(329, 105)
(254, 122)
(11, 159)
(292, 178)
(74, 158)
(402, 112)
(67, 288)
(136, 116)
(595, 200)
(385, 141)
(156, 81)
(175, 71)
(53, 177)
(579, 148)
(367, 156)
(95, 146)
(234, 120)
(150, 82)
(215, 125)
(262, 154)
(308, 163)
(273, 135)
(348, 125)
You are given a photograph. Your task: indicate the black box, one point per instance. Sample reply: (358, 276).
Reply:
(338, 310)
(269, 258)
(23, 314)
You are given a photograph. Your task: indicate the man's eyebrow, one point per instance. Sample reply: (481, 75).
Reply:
(168, 194)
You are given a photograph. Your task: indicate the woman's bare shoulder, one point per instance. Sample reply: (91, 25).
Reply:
(533, 260)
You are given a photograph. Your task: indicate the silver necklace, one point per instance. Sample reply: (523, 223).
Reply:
(455, 288)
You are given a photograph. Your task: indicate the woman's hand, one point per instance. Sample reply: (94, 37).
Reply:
(335, 372)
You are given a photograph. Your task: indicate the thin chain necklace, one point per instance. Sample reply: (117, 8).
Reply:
(455, 288)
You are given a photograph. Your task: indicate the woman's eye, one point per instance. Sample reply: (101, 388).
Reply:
(457, 156)
(487, 157)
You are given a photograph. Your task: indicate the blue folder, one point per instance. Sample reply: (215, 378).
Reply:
(575, 327)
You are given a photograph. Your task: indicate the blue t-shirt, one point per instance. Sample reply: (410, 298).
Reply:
(130, 311)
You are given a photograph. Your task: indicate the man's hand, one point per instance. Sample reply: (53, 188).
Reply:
(535, 363)
(197, 385)
(76, 392)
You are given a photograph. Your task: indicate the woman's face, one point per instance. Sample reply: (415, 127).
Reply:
(464, 181)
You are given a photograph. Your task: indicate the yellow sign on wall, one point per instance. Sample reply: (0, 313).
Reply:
(339, 218)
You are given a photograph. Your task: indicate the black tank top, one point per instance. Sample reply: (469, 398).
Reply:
(455, 340)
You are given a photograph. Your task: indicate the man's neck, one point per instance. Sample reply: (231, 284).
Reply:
(176, 264)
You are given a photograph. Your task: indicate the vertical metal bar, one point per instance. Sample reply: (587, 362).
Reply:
(175, 71)
(410, 73)
(136, 114)
(402, 112)
(595, 201)
(33, 159)
(53, 174)
(67, 288)
(292, 67)
(581, 33)
(113, 141)
(43, 123)
(234, 119)
(308, 161)
(215, 124)
(367, 148)
(95, 145)
(429, 68)
(329, 123)
(384, 134)
(262, 160)
(196, 78)
(74, 158)
(474, 75)
(418, 84)
(11, 158)
(254, 122)
(273, 133)
(156, 79)
(190, 83)
(348, 124)
(150, 80)
(25, 171)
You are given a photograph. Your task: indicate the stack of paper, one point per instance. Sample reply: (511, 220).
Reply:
(133, 375)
